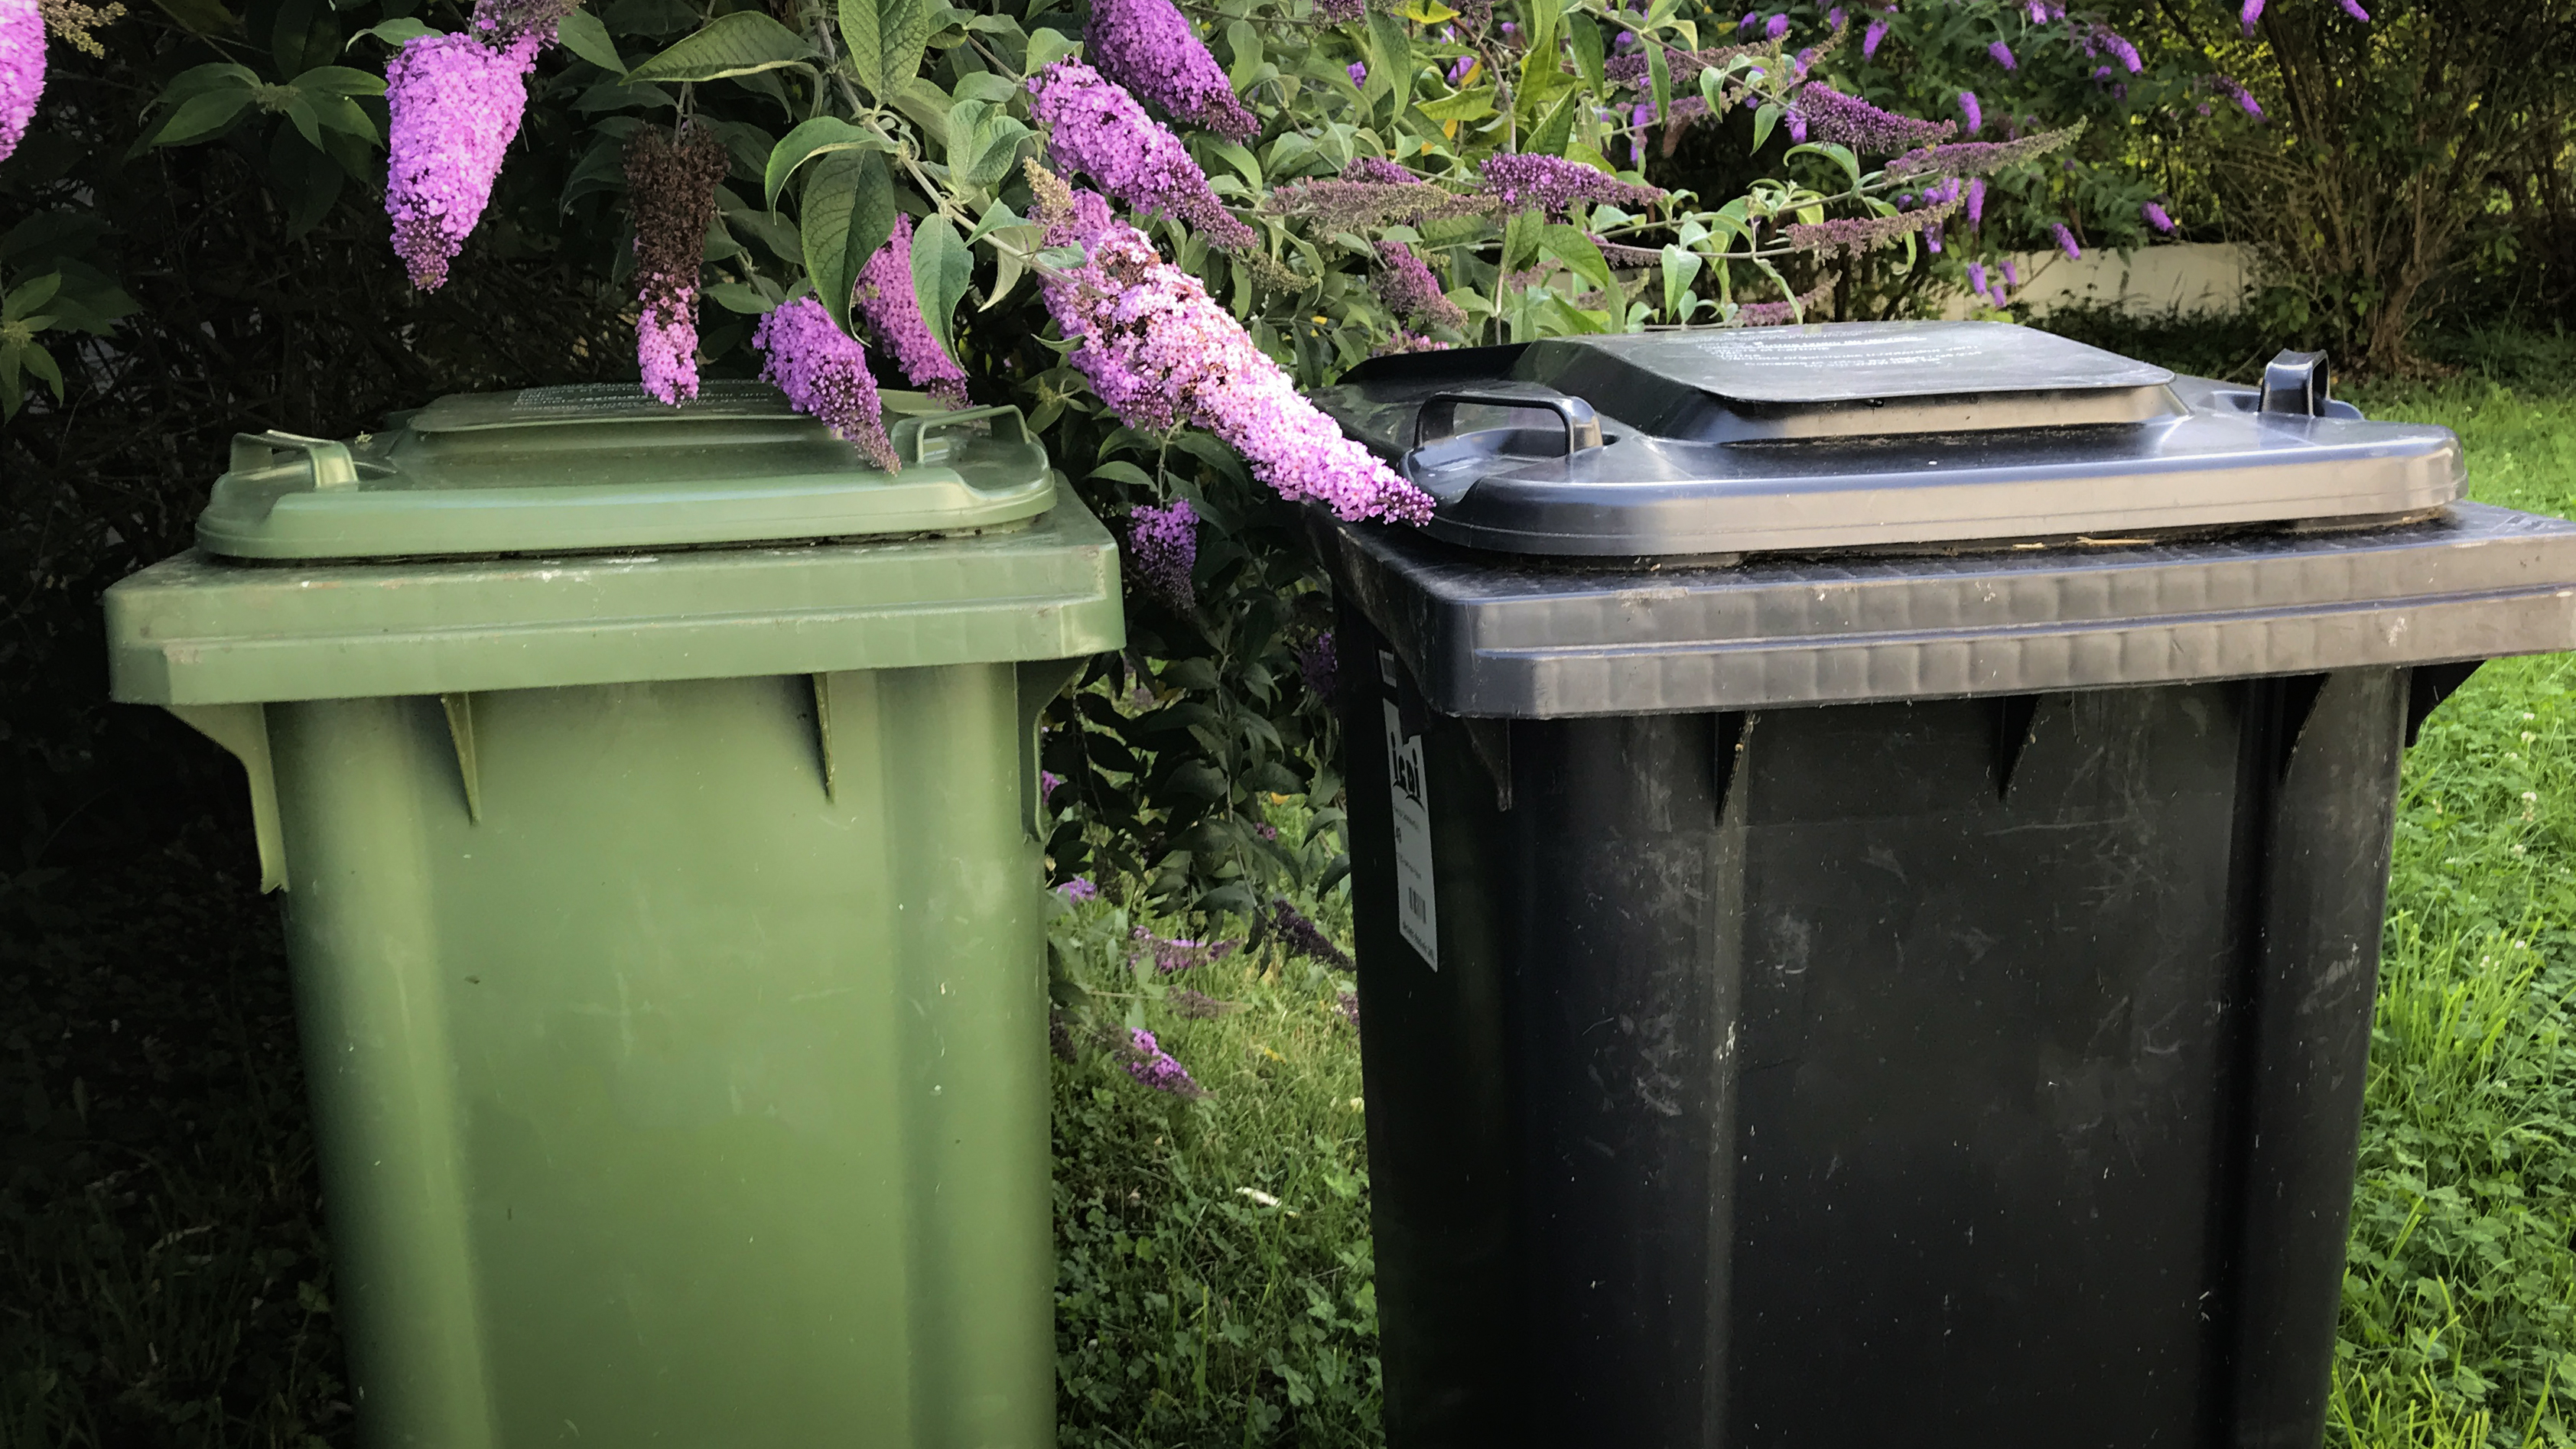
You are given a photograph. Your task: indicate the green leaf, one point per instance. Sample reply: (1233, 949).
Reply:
(397, 32)
(1468, 105)
(942, 266)
(1520, 239)
(735, 297)
(904, 28)
(1587, 52)
(1046, 47)
(1570, 246)
(865, 45)
(339, 80)
(201, 116)
(29, 295)
(820, 136)
(1681, 268)
(736, 44)
(1390, 61)
(983, 140)
(40, 362)
(583, 35)
(299, 111)
(1838, 154)
(848, 213)
(205, 17)
(1659, 71)
(1557, 131)
(1764, 121)
(1543, 15)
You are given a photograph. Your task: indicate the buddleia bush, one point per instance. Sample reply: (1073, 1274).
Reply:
(1149, 225)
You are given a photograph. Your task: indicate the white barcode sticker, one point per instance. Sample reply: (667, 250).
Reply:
(1417, 910)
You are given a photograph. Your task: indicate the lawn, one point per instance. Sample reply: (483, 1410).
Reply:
(166, 1282)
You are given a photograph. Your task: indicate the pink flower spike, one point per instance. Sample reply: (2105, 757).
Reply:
(825, 376)
(886, 300)
(2353, 9)
(22, 69)
(2157, 217)
(1165, 543)
(1096, 127)
(1159, 352)
(455, 106)
(1148, 47)
(2252, 12)
(666, 349)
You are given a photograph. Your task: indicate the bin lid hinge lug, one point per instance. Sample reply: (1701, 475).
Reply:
(1491, 739)
(823, 736)
(1734, 733)
(460, 730)
(2298, 696)
(2016, 727)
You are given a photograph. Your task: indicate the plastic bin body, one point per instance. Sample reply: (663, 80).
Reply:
(1907, 997)
(676, 1040)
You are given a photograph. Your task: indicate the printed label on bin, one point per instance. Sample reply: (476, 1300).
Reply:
(1417, 911)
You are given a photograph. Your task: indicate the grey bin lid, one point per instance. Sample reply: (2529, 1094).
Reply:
(1866, 434)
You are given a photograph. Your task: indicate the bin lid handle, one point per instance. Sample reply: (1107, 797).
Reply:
(330, 462)
(1439, 416)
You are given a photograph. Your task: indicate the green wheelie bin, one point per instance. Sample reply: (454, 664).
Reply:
(654, 796)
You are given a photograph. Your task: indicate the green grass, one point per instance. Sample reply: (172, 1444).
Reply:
(2459, 1323)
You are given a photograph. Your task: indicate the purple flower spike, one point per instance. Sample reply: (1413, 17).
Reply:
(22, 70)
(1079, 889)
(1409, 290)
(1977, 278)
(1551, 184)
(1097, 128)
(1870, 38)
(1359, 73)
(1165, 542)
(455, 106)
(2066, 241)
(1148, 1063)
(1834, 18)
(825, 375)
(1303, 936)
(2350, 7)
(2003, 55)
(2157, 217)
(1976, 201)
(2240, 95)
(2252, 12)
(1318, 662)
(1776, 26)
(1932, 238)
(2012, 274)
(1974, 113)
(885, 298)
(1751, 19)
(1838, 119)
(1148, 47)
(1340, 12)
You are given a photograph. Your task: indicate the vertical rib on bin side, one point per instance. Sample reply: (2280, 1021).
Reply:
(2002, 1056)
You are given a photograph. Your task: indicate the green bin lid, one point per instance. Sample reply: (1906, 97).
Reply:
(607, 468)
